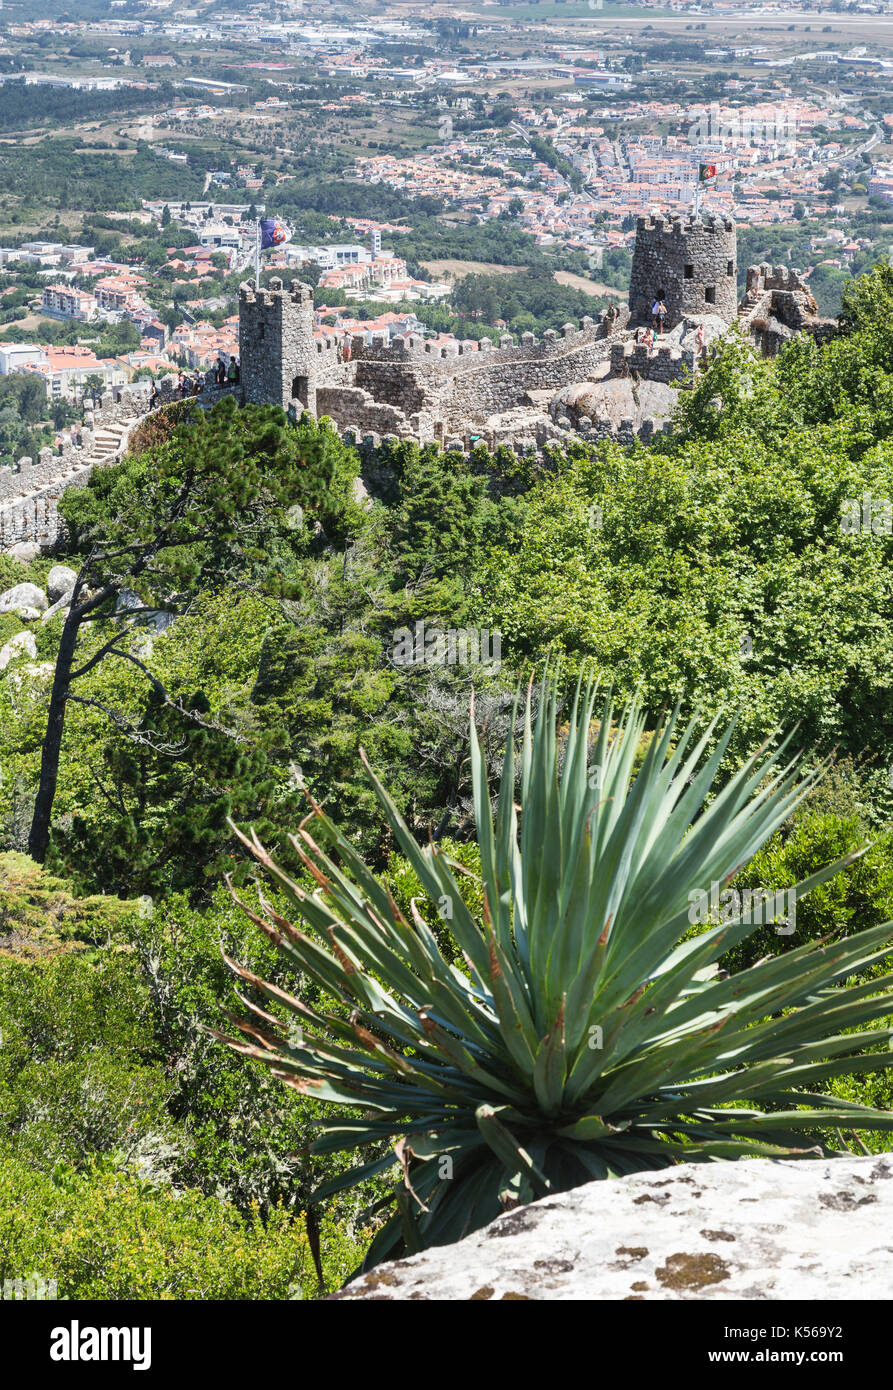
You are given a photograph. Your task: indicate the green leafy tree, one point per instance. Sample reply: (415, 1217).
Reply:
(202, 508)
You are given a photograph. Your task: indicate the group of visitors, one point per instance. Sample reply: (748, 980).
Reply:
(189, 385)
(227, 375)
(192, 384)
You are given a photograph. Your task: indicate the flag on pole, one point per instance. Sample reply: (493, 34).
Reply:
(273, 233)
(707, 171)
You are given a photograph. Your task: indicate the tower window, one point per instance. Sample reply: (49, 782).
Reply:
(299, 389)
(689, 272)
(710, 294)
(731, 268)
(262, 331)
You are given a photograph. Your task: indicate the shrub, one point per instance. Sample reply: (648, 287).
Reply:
(104, 1235)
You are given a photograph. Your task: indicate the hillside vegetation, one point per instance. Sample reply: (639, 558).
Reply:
(739, 566)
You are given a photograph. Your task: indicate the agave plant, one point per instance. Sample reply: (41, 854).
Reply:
(590, 1032)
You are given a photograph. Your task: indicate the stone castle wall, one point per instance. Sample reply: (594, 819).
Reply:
(30, 491)
(777, 305)
(665, 364)
(456, 384)
(456, 392)
(691, 264)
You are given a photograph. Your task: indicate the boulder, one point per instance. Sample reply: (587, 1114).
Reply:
(22, 596)
(32, 676)
(815, 1229)
(60, 582)
(23, 644)
(61, 606)
(24, 551)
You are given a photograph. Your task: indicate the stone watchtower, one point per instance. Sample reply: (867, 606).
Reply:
(691, 264)
(277, 349)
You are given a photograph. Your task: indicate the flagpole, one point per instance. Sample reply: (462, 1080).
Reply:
(257, 254)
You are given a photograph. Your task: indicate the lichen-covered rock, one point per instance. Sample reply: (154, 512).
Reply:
(23, 644)
(32, 676)
(24, 551)
(23, 596)
(62, 606)
(60, 581)
(758, 1229)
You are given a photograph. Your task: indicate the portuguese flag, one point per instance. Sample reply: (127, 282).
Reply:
(706, 171)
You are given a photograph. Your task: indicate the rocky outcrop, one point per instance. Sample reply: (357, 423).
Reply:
(60, 582)
(21, 597)
(25, 552)
(758, 1229)
(22, 644)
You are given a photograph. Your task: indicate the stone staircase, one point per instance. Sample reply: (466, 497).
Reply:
(108, 443)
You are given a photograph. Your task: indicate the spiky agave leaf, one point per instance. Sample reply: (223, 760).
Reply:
(591, 1034)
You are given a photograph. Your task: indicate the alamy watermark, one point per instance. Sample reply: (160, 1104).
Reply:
(870, 514)
(752, 906)
(34, 1289)
(435, 646)
(769, 126)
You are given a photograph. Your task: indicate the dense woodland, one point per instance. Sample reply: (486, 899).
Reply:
(709, 569)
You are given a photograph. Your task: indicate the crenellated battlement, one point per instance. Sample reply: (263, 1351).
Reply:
(277, 346)
(708, 223)
(471, 353)
(660, 364)
(30, 488)
(297, 292)
(451, 387)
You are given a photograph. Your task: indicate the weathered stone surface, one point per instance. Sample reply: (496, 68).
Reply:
(60, 581)
(23, 596)
(24, 552)
(777, 305)
(23, 644)
(810, 1229)
(31, 676)
(61, 605)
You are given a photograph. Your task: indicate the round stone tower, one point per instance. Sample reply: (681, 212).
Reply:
(277, 350)
(691, 264)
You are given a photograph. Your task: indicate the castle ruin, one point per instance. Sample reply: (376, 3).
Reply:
(506, 393)
(594, 380)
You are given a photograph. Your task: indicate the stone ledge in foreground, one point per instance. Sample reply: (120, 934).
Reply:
(756, 1229)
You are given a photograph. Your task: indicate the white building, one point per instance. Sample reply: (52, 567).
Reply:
(328, 257)
(13, 356)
